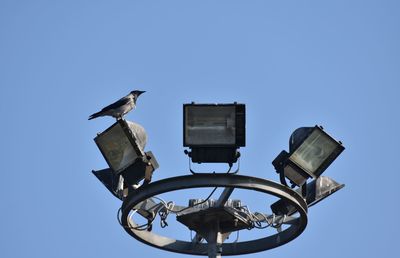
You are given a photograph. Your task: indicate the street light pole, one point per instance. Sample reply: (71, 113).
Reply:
(214, 240)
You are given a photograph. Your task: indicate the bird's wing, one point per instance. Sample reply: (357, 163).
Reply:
(116, 104)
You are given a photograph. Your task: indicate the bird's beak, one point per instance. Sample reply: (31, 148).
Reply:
(140, 92)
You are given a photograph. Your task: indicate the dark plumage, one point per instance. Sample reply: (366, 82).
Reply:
(119, 108)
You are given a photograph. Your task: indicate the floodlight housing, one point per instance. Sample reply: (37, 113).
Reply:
(317, 190)
(122, 144)
(109, 180)
(142, 168)
(312, 150)
(214, 132)
(118, 184)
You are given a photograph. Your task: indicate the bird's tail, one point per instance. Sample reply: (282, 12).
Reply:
(92, 116)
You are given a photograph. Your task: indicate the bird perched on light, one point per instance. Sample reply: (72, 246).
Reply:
(119, 108)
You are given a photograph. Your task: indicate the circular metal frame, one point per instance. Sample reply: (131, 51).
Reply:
(216, 180)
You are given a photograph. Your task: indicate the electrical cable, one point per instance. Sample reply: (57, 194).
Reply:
(265, 220)
(164, 213)
(166, 204)
(230, 167)
(278, 224)
(255, 221)
(140, 227)
(209, 196)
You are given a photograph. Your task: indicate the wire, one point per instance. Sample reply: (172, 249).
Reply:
(163, 216)
(140, 227)
(255, 221)
(164, 213)
(246, 210)
(278, 224)
(230, 167)
(209, 196)
(265, 220)
(237, 170)
(166, 204)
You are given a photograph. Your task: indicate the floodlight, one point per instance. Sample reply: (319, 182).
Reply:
(214, 132)
(312, 150)
(317, 190)
(143, 168)
(118, 184)
(122, 144)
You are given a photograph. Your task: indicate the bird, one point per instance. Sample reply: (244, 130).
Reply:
(119, 108)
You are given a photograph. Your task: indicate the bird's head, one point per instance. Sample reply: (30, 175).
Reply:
(137, 92)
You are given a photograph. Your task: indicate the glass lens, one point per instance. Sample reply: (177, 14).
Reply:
(116, 148)
(314, 151)
(210, 125)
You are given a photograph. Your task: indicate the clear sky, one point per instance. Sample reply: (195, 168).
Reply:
(293, 63)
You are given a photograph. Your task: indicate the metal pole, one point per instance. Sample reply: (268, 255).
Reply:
(214, 241)
(215, 238)
(224, 196)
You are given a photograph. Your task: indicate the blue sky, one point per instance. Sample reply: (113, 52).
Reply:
(293, 63)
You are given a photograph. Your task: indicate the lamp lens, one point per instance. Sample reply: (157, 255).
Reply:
(314, 151)
(116, 148)
(210, 125)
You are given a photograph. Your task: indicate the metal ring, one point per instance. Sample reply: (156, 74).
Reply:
(216, 180)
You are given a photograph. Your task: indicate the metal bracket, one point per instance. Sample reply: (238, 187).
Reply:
(205, 173)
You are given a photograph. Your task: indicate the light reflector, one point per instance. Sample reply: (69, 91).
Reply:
(121, 144)
(316, 152)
